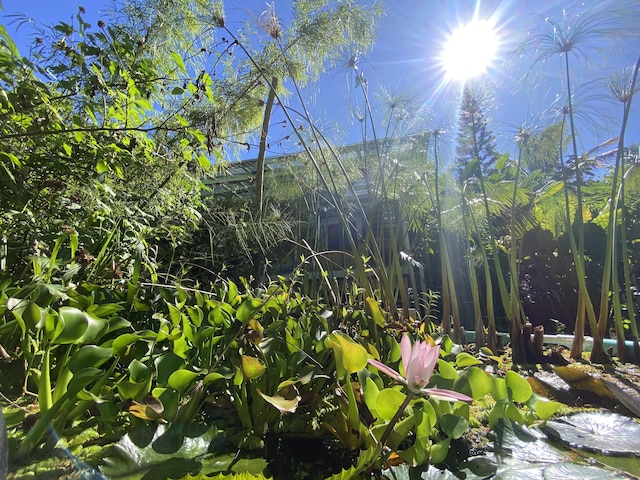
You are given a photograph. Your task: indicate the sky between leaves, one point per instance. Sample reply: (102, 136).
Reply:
(407, 62)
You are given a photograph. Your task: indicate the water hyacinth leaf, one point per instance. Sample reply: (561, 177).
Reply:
(598, 431)
(464, 359)
(499, 389)
(519, 389)
(375, 311)
(32, 315)
(116, 323)
(446, 370)
(138, 371)
(474, 382)
(351, 357)
(128, 389)
(123, 341)
(165, 366)
(89, 356)
(371, 392)
(170, 400)
(83, 378)
(252, 367)
(149, 408)
(401, 431)
(446, 344)
(212, 377)
(74, 324)
(388, 402)
(453, 425)
(96, 328)
(545, 409)
(512, 413)
(231, 296)
(440, 450)
(285, 400)
(181, 379)
(247, 309)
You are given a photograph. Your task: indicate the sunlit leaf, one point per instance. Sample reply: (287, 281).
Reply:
(285, 400)
(149, 408)
(180, 379)
(518, 388)
(388, 402)
(463, 359)
(351, 357)
(252, 367)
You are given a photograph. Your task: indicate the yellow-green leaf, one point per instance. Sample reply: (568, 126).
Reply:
(252, 367)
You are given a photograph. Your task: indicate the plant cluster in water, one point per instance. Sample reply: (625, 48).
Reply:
(302, 318)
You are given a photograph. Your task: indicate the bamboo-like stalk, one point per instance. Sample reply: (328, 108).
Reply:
(450, 311)
(611, 255)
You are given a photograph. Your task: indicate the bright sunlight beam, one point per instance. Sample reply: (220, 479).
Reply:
(469, 50)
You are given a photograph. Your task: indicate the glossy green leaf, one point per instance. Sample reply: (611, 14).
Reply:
(463, 359)
(499, 391)
(252, 367)
(453, 425)
(388, 402)
(375, 311)
(351, 357)
(181, 379)
(32, 315)
(89, 356)
(138, 371)
(371, 392)
(123, 341)
(519, 389)
(247, 309)
(74, 323)
(446, 370)
(212, 377)
(166, 364)
(440, 450)
(545, 409)
(474, 382)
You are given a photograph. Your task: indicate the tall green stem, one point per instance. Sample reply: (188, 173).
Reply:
(584, 300)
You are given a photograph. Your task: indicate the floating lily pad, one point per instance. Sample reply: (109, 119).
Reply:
(405, 472)
(599, 432)
(572, 471)
(524, 453)
(556, 471)
(522, 444)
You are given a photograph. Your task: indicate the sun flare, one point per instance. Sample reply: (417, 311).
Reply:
(469, 50)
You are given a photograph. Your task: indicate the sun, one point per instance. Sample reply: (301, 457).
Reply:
(469, 50)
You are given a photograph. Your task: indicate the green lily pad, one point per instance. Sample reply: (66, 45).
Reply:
(599, 432)
(406, 472)
(557, 471)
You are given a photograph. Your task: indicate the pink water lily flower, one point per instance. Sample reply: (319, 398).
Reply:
(419, 361)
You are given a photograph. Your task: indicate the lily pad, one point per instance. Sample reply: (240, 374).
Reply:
(556, 471)
(514, 443)
(406, 472)
(599, 432)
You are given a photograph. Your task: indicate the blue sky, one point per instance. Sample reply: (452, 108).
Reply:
(405, 59)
